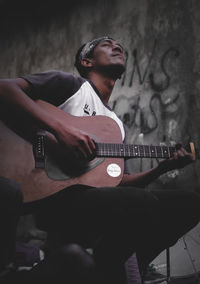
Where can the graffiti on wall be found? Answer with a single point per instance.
(152, 95)
(155, 88)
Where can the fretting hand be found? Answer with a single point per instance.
(180, 159)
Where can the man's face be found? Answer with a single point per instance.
(108, 55)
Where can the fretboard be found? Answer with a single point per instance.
(133, 151)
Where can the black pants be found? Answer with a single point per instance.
(116, 222)
(10, 210)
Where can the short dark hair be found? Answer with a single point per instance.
(86, 51)
(83, 71)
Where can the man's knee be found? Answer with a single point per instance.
(74, 254)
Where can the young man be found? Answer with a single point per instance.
(113, 221)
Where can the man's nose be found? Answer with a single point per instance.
(117, 48)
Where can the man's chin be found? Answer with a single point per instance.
(115, 71)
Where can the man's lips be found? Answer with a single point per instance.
(117, 54)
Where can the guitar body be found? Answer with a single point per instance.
(17, 160)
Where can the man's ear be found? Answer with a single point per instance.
(86, 62)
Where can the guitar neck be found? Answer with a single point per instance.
(135, 151)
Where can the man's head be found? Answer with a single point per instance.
(103, 55)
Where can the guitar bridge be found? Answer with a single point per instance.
(39, 149)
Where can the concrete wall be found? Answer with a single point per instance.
(157, 97)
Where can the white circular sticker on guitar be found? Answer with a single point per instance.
(113, 170)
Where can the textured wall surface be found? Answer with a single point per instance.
(157, 97)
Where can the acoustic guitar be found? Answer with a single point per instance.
(33, 157)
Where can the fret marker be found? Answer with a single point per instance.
(113, 170)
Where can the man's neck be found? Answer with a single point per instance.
(103, 84)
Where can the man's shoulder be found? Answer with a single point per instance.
(45, 84)
(54, 74)
(63, 75)
(65, 79)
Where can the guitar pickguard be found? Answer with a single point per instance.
(58, 171)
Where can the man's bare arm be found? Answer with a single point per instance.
(180, 159)
(13, 93)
